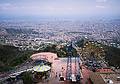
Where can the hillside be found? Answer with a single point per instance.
(10, 57)
(113, 56)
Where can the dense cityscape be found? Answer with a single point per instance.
(29, 34)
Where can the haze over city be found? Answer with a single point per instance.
(59, 8)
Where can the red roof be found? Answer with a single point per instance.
(104, 70)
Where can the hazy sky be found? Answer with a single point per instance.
(59, 8)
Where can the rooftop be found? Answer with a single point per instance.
(104, 70)
(44, 55)
(105, 78)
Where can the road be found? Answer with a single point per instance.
(27, 66)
